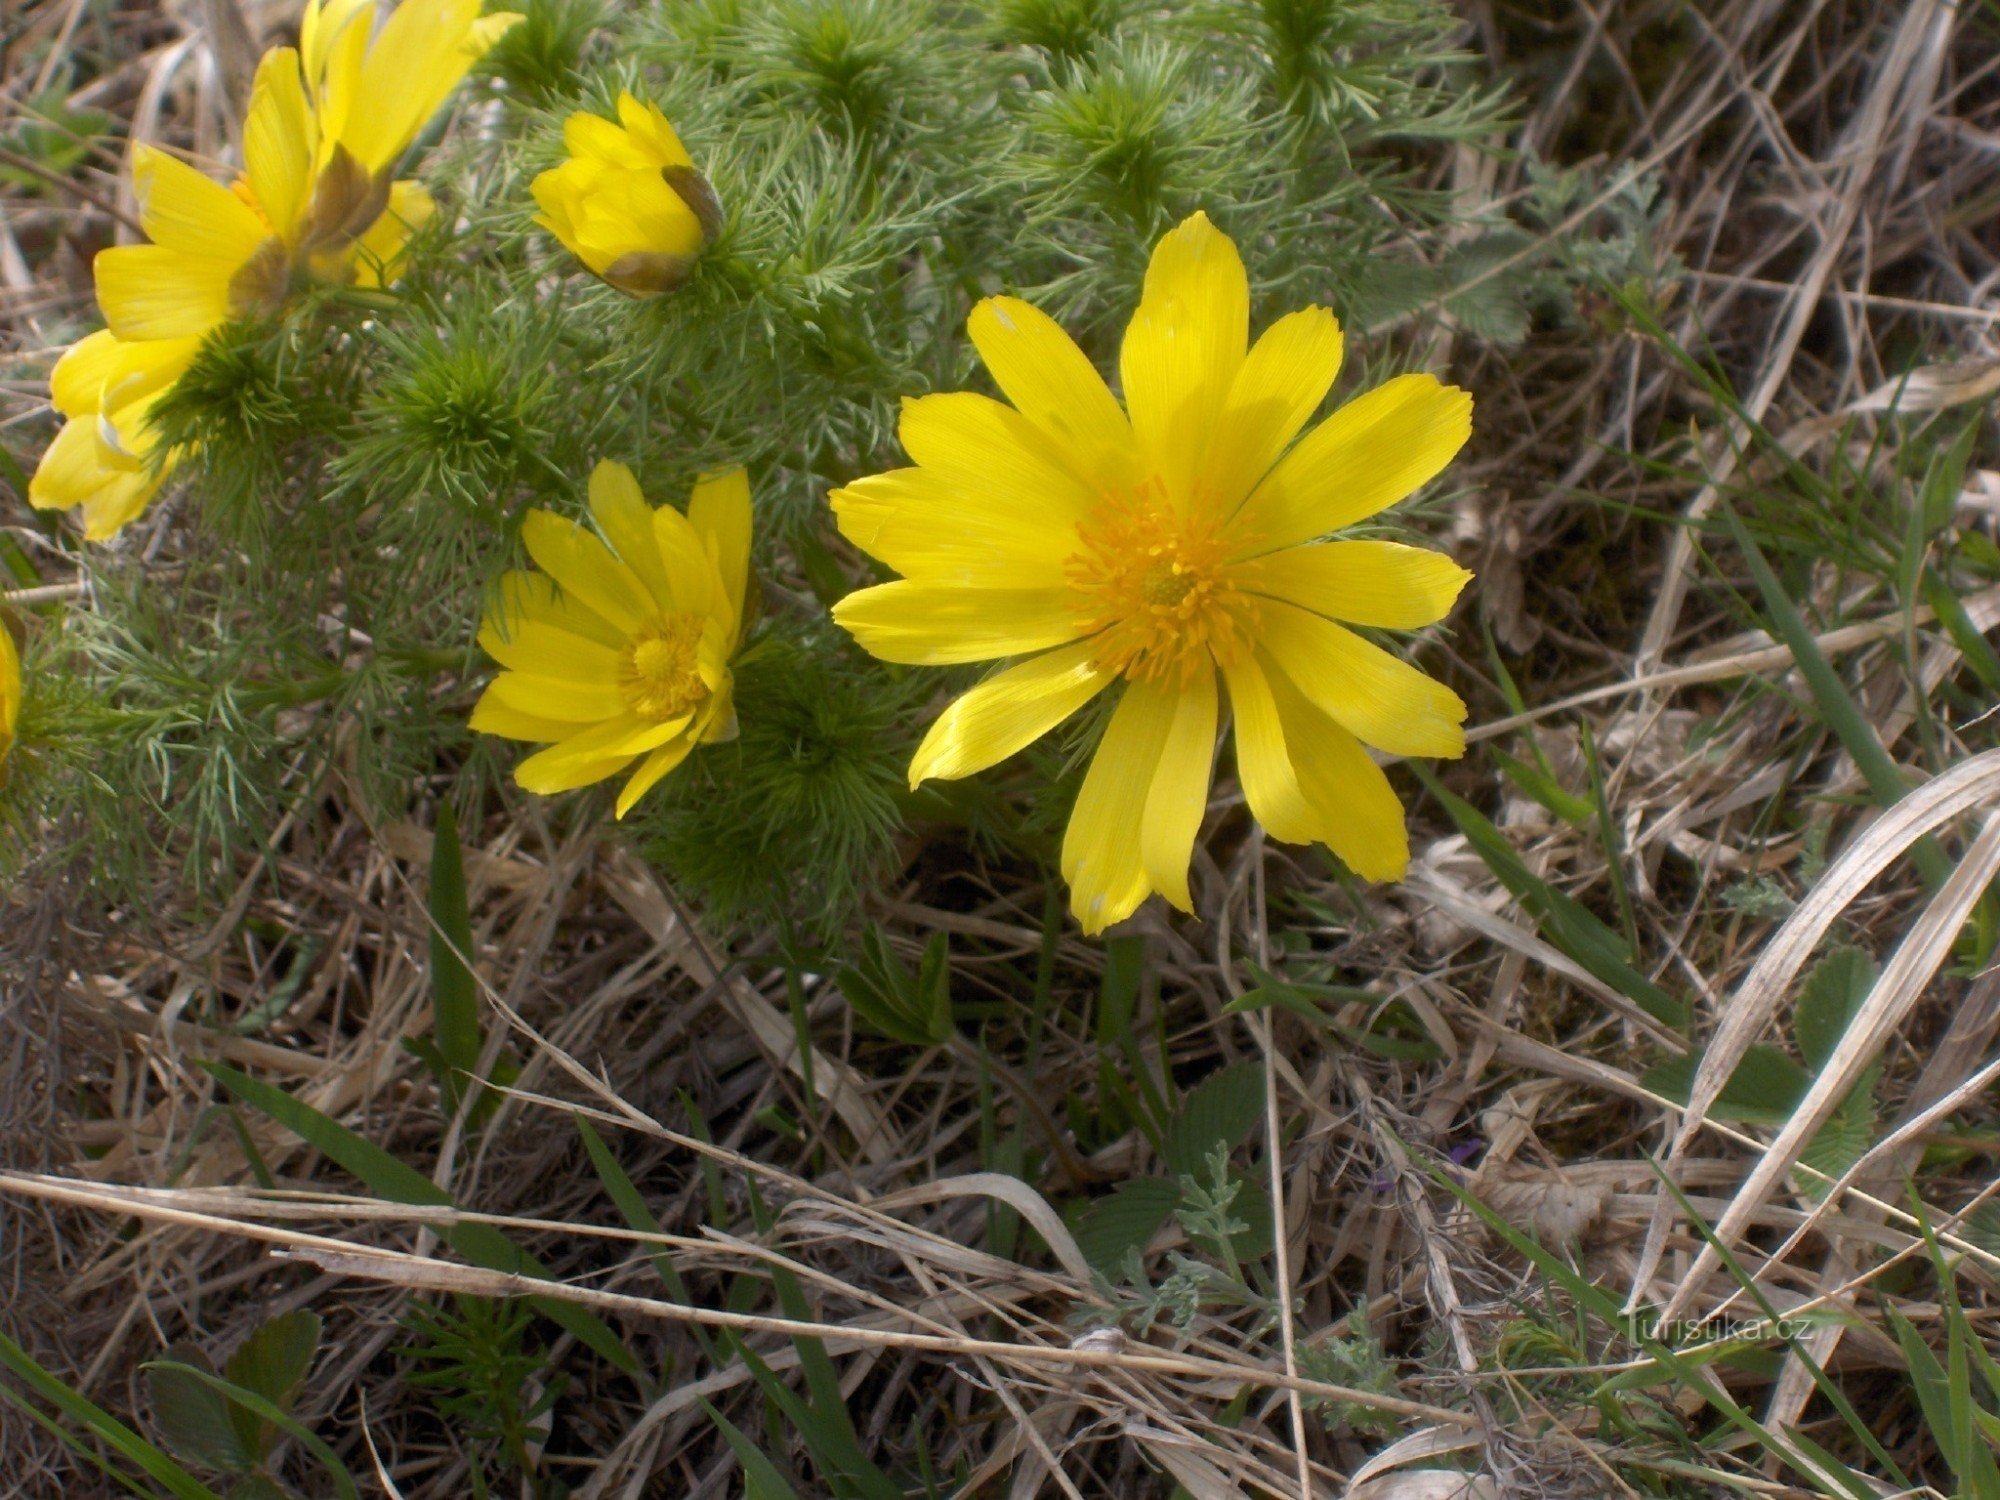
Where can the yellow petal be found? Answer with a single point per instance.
(929, 528)
(583, 757)
(997, 457)
(1050, 381)
(1178, 796)
(76, 385)
(120, 500)
(77, 470)
(1182, 349)
(587, 571)
(547, 777)
(1355, 810)
(622, 514)
(690, 571)
(649, 129)
(1281, 384)
(1101, 852)
(280, 141)
(1307, 780)
(934, 625)
(719, 510)
(1008, 712)
(1380, 698)
(151, 292)
(333, 50)
(326, 25)
(416, 60)
(554, 192)
(651, 769)
(594, 138)
(534, 596)
(557, 698)
(547, 651)
(1263, 764)
(1371, 453)
(491, 716)
(1383, 584)
(189, 213)
(10, 691)
(716, 720)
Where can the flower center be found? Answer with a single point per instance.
(1157, 590)
(662, 673)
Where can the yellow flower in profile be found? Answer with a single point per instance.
(629, 203)
(315, 201)
(103, 459)
(620, 647)
(10, 697)
(1173, 545)
(326, 124)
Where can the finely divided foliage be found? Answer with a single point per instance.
(763, 720)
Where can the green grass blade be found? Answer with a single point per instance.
(1565, 922)
(390, 1178)
(1886, 782)
(761, 1479)
(81, 1409)
(638, 1216)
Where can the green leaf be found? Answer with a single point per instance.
(198, 1422)
(389, 1178)
(914, 1009)
(269, 1412)
(1124, 1219)
(273, 1362)
(82, 1410)
(1846, 1136)
(258, 1487)
(1765, 1088)
(1832, 993)
(1222, 1110)
(1490, 307)
(454, 993)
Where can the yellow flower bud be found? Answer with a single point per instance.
(629, 202)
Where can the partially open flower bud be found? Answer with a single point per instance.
(629, 202)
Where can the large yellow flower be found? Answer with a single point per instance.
(620, 651)
(104, 459)
(629, 203)
(1167, 549)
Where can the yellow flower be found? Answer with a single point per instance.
(629, 203)
(314, 203)
(1168, 548)
(103, 459)
(10, 696)
(620, 651)
(374, 90)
